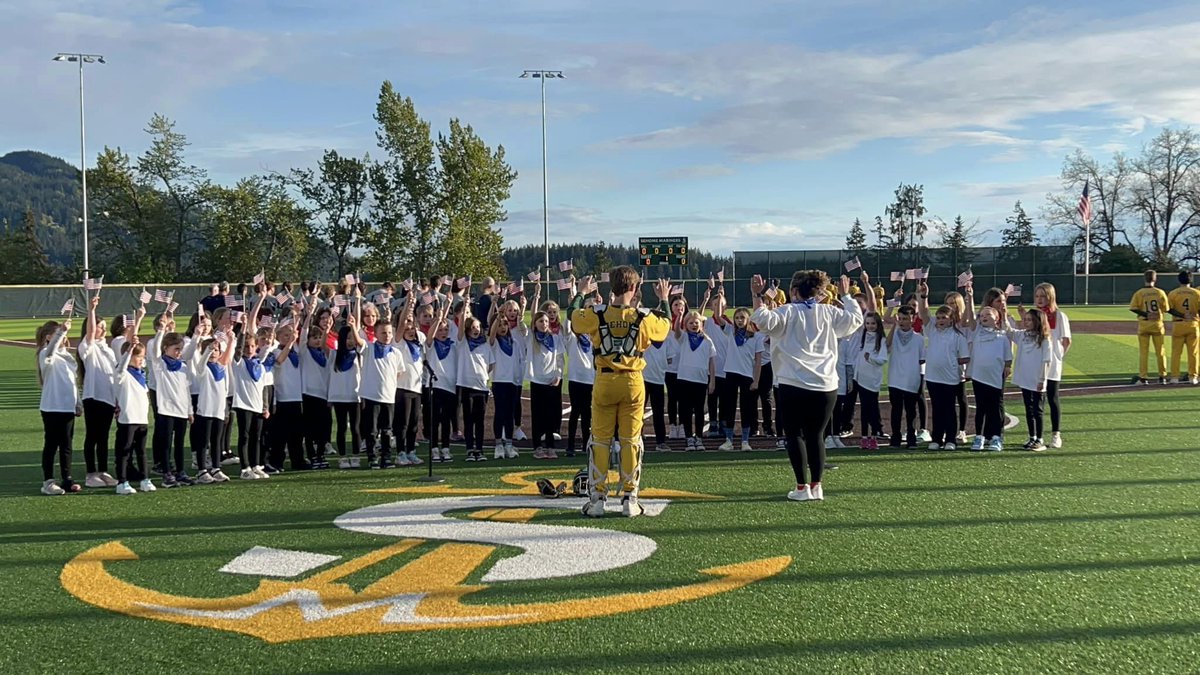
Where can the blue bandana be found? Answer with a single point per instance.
(382, 351)
(272, 359)
(695, 340)
(657, 344)
(173, 365)
(443, 348)
(546, 340)
(254, 367)
(318, 355)
(217, 370)
(585, 342)
(476, 343)
(294, 358)
(740, 336)
(414, 349)
(138, 374)
(348, 362)
(809, 303)
(505, 342)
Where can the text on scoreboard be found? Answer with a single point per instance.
(663, 250)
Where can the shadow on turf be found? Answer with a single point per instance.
(19, 390)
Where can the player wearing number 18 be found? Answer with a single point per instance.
(1150, 303)
(1185, 329)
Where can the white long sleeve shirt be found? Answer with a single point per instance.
(805, 339)
(59, 390)
(943, 349)
(99, 366)
(132, 396)
(1032, 362)
(868, 372)
(1061, 331)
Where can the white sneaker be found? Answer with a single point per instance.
(977, 444)
(949, 447)
(746, 446)
(260, 472)
(219, 476)
(924, 436)
(935, 446)
(995, 445)
(829, 442)
(446, 455)
(726, 446)
(837, 443)
(961, 438)
(125, 489)
(413, 460)
(510, 452)
(355, 463)
(51, 488)
(1056, 440)
(631, 508)
(204, 478)
(817, 492)
(1195, 380)
(781, 444)
(800, 494)
(1171, 380)
(109, 481)
(594, 508)
(519, 435)
(549, 453)
(401, 459)
(344, 463)
(501, 451)
(248, 474)
(147, 486)
(93, 480)
(557, 437)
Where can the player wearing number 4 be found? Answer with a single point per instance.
(1149, 303)
(1185, 329)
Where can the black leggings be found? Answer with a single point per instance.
(672, 386)
(960, 397)
(474, 402)
(445, 405)
(581, 412)
(805, 416)
(945, 417)
(978, 417)
(717, 407)
(872, 423)
(843, 419)
(691, 406)
(903, 402)
(507, 396)
(131, 445)
(287, 434)
(158, 448)
(60, 432)
(227, 432)
(173, 431)
(98, 421)
(989, 409)
(206, 442)
(921, 404)
(249, 434)
(377, 421)
(318, 423)
(545, 407)
(1033, 412)
(655, 395)
(740, 395)
(766, 385)
(1055, 410)
(347, 416)
(404, 420)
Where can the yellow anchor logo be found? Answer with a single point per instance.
(426, 593)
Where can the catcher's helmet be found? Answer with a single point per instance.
(580, 484)
(550, 490)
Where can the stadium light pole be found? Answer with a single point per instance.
(82, 59)
(543, 75)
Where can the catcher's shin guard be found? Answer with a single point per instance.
(632, 452)
(598, 463)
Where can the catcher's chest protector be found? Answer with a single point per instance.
(617, 347)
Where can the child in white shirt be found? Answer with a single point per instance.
(212, 398)
(697, 376)
(906, 354)
(59, 404)
(581, 376)
(946, 354)
(97, 363)
(868, 378)
(475, 362)
(991, 360)
(381, 364)
(743, 362)
(546, 354)
(443, 368)
(1034, 355)
(133, 416)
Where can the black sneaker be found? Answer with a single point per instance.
(267, 468)
(374, 463)
(183, 479)
(894, 443)
(228, 458)
(168, 480)
(70, 487)
(479, 456)
(386, 463)
(158, 470)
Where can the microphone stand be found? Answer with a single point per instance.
(427, 395)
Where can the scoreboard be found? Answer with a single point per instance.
(663, 250)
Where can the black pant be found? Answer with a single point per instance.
(716, 415)
(903, 402)
(404, 420)
(872, 424)
(989, 409)
(131, 445)
(835, 419)
(98, 421)
(348, 415)
(843, 419)
(960, 397)
(206, 442)
(159, 449)
(672, 386)
(249, 436)
(59, 430)
(1033, 412)
(655, 395)
(691, 407)
(945, 417)
(377, 420)
(227, 432)
(173, 430)
(445, 406)
(581, 411)
(1052, 399)
(805, 414)
(545, 406)
(287, 434)
(921, 403)
(268, 427)
(508, 396)
(766, 390)
(317, 424)
(474, 402)
(739, 392)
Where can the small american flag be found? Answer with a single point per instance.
(340, 301)
(172, 307)
(534, 276)
(125, 321)
(447, 280)
(721, 276)
(677, 290)
(351, 279)
(407, 284)
(893, 302)
(267, 322)
(285, 321)
(564, 284)
(910, 274)
(1085, 205)
(965, 278)
(144, 297)
(464, 282)
(283, 297)
(237, 317)
(335, 311)
(93, 284)
(427, 299)
(590, 286)
(922, 273)
(514, 289)
(1012, 291)
(68, 306)
(233, 301)
(852, 265)
(897, 276)
(161, 296)
(566, 266)
(604, 277)
(260, 277)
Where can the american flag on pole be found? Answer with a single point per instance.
(68, 306)
(464, 283)
(566, 266)
(1085, 205)
(267, 322)
(514, 288)
(852, 265)
(283, 297)
(161, 296)
(233, 301)
(174, 306)
(236, 316)
(260, 277)
(534, 276)
(604, 277)
(340, 301)
(93, 284)
(677, 290)
(144, 297)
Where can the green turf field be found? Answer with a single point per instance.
(1078, 560)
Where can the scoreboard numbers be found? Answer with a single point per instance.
(663, 250)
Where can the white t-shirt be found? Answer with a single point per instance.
(1061, 331)
(1032, 358)
(132, 396)
(942, 351)
(720, 341)
(152, 351)
(213, 393)
(868, 372)
(694, 362)
(343, 384)
(411, 371)
(99, 366)
(289, 376)
(248, 391)
(545, 365)
(59, 370)
(740, 359)
(506, 355)
(804, 339)
(656, 362)
(581, 366)
(443, 361)
(473, 364)
(904, 361)
(990, 351)
(314, 377)
(174, 393)
(381, 365)
(672, 347)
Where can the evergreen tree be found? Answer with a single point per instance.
(857, 239)
(1019, 232)
(22, 259)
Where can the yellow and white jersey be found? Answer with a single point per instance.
(1186, 300)
(1153, 302)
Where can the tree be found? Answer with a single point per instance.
(906, 215)
(1164, 196)
(1120, 258)
(182, 184)
(256, 226)
(476, 182)
(1108, 189)
(1019, 233)
(857, 239)
(22, 259)
(883, 238)
(338, 194)
(957, 236)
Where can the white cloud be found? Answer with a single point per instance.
(698, 171)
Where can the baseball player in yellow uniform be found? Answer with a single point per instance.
(1150, 304)
(1185, 328)
(620, 333)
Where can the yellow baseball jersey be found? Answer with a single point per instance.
(1152, 301)
(780, 296)
(619, 319)
(830, 296)
(1186, 300)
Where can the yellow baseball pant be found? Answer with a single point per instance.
(1184, 338)
(1144, 340)
(618, 403)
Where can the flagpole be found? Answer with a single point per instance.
(1087, 259)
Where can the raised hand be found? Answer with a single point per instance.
(95, 301)
(663, 289)
(844, 285)
(866, 281)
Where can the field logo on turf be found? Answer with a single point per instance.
(305, 595)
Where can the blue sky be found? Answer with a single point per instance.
(748, 125)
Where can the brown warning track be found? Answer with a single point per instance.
(1105, 327)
